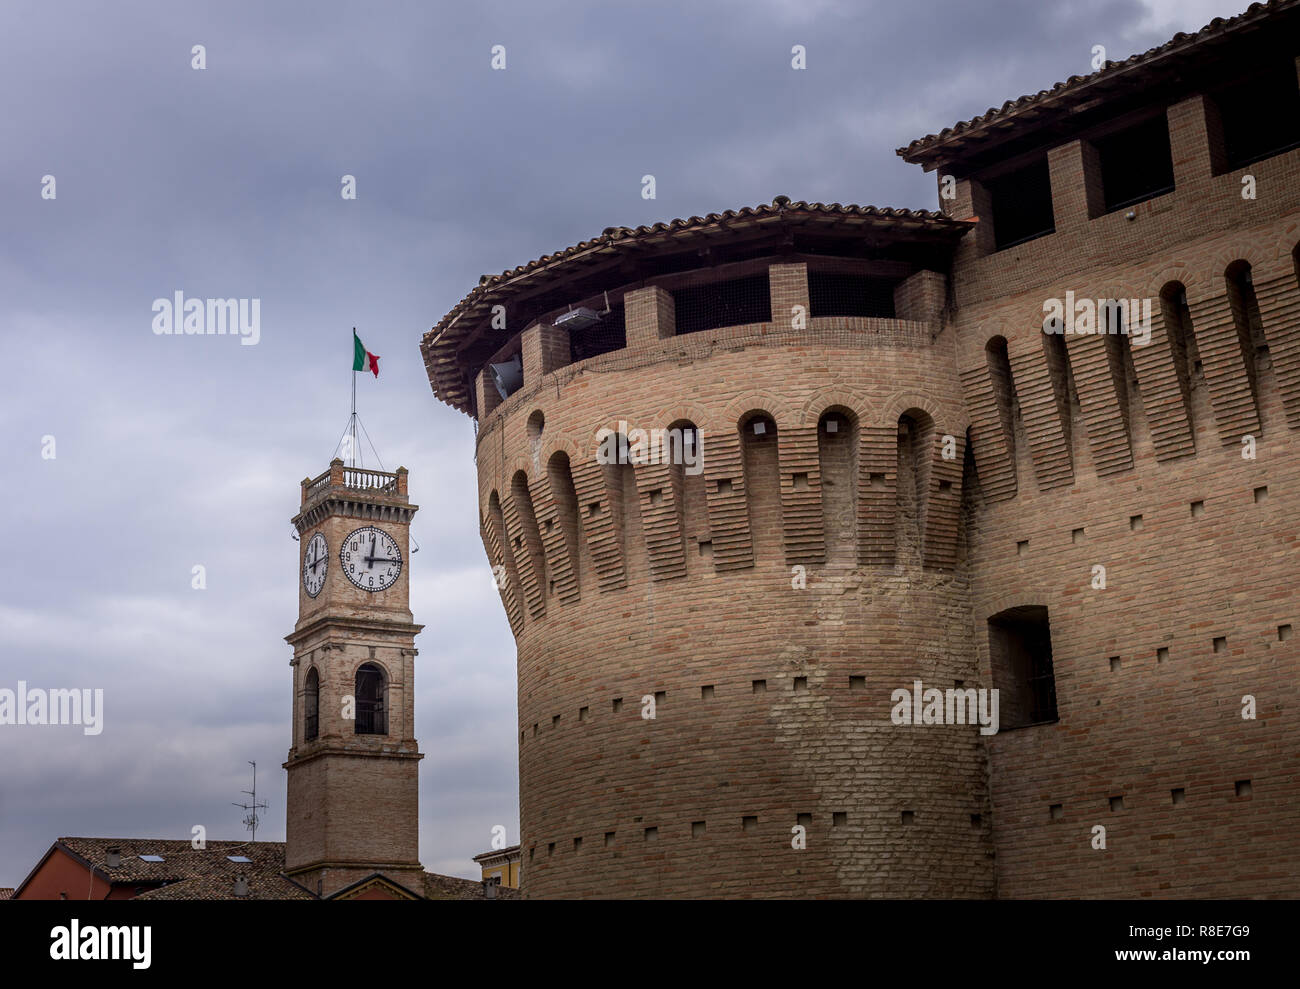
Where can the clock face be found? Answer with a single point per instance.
(315, 563)
(371, 559)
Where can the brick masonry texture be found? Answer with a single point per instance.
(773, 699)
(353, 800)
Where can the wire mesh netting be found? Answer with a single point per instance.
(737, 302)
(842, 294)
(608, 335)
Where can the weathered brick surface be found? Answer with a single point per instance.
(1153, 725)
(773, 698)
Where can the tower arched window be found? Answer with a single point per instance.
(311, 706)
(372, 701)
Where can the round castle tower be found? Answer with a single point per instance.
(1051, 451)
(711, 627)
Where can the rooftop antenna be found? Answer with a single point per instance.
(250, 819)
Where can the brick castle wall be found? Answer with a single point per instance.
(1085, 452)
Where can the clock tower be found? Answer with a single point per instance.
(353, 807)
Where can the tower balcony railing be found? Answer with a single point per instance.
(355, 479)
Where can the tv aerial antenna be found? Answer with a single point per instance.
(250, 818)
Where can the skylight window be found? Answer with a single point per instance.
(238, 858)
(151, 858)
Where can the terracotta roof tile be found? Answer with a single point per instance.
(223, 888)
(440, 344)
(187, 873)
(932, 146)
(180, 860)
(438, 887)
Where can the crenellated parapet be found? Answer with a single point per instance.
(810, 480)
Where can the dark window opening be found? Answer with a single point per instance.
(839, 294)
(608, 335)
(1260, 117)
(1020, 647)
(1136, 163)
(738, 302)
(371, 701)
(1022, 205)
(311, 705)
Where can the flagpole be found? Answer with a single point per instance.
(353, 420)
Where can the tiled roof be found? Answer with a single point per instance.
(222, 887)
(441, 343)
(6, 893)
(438, 887)
(998, 121)
(187, 873)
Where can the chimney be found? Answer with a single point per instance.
(489, 889)
(241, 887)
(114, 859)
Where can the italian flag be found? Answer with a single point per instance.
(363, 359)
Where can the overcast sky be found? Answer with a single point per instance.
(176, 451)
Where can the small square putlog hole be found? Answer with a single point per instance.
(1114, 664)
(749, 823)
(1243, 788)
(839, 819)
(1220, 643)
(909, 817)
(1116, 804)
(1162, 654)
(1076, 536)
(1178, 795)
(1261, 494)
(800, 684)
(1135, 522)
(1056, 811)
(760, 686)
(698, 828)
(857, 683)
(1283, 633)
(706, 693)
